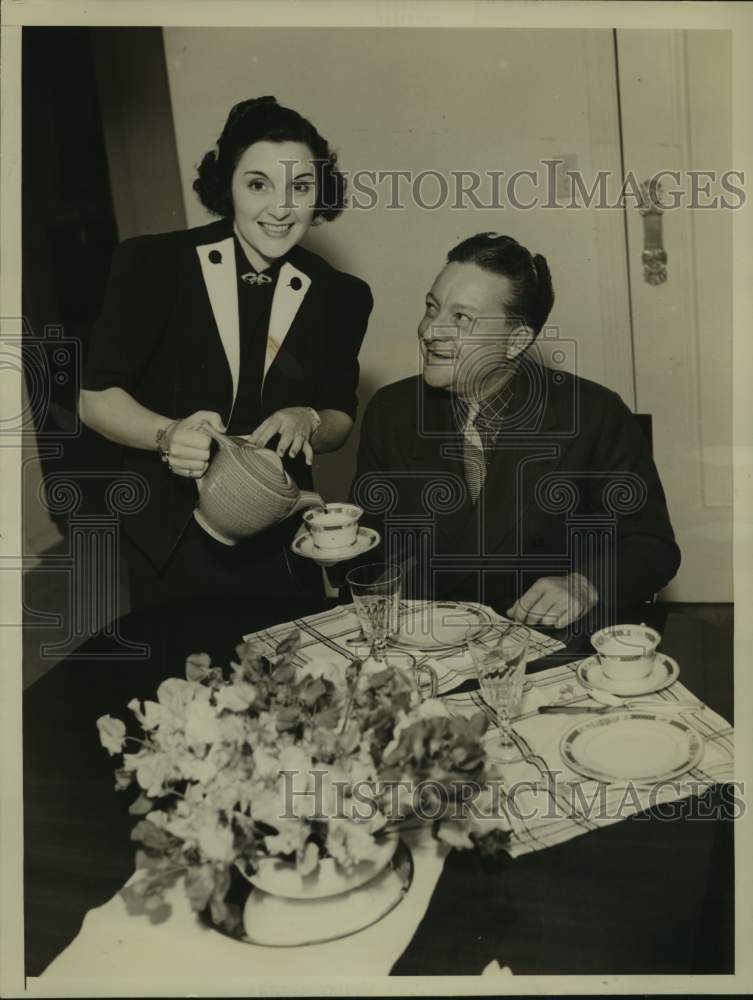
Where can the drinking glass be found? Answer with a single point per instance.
(500, 661)
(375, 589)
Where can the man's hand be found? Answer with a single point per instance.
(555, 601)
(295, 425)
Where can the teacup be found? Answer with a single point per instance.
(626, 652)
(334, 527)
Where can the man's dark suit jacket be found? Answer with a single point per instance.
(168, 334)
(570, 486)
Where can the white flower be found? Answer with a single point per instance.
(289, 838)
(307, 860)
(327, 670)
(197, 769)
(112, 734)
(174, 694)
(151, 772)
(432, 708)
(215, 839)
(236, 697)
(266, 766)
(456, 834)
(294, 758)
(350, 842)
(234, 729)
(202, 724)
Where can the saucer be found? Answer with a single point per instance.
(366, 539)
(665, 672)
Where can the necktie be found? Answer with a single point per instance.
(473, 454)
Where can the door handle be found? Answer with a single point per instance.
(654, 256)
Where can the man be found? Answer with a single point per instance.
(492, 478)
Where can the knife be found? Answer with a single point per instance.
(679, 706)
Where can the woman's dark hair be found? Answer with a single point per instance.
(262, 119)
(533, 294)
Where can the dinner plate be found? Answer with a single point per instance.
(277, 922)
(665, 672)
(366, 539)
(432, 626)
(631, 746)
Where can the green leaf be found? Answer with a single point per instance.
(478, 724)
(491, 844)
(378, 680)
(289, 645)
(152, 862)
(218, 911)
(288, 718)
(200, 883)
(141, 806)
(312, 691)
(151, 836)
(327, 719)
(123, 779)
(133, 896)
(283, 674)
(227, 916)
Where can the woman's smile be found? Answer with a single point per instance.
(276, 229)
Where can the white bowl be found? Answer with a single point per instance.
(281, 878)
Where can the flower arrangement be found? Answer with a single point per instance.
(274, 761)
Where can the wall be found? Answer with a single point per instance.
(447, 100)
(137, 121)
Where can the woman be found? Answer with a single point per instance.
(235, 325)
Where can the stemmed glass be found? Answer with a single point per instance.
(500, 661)
(375, 589)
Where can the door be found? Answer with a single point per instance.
(675, 98)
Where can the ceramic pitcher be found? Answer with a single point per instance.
(246, 490)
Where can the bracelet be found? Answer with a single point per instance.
(160, 439)
(317, 419)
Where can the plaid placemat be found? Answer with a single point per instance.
(332, 637)
(547, 802)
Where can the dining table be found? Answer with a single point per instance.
(651, 894)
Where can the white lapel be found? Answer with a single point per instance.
(222, 288)
(285, 305)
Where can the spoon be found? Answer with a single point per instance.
(606, 698)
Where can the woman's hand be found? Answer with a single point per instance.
(295, 425)
(187, 445)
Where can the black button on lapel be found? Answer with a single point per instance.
(215, 256)
(295, 284)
